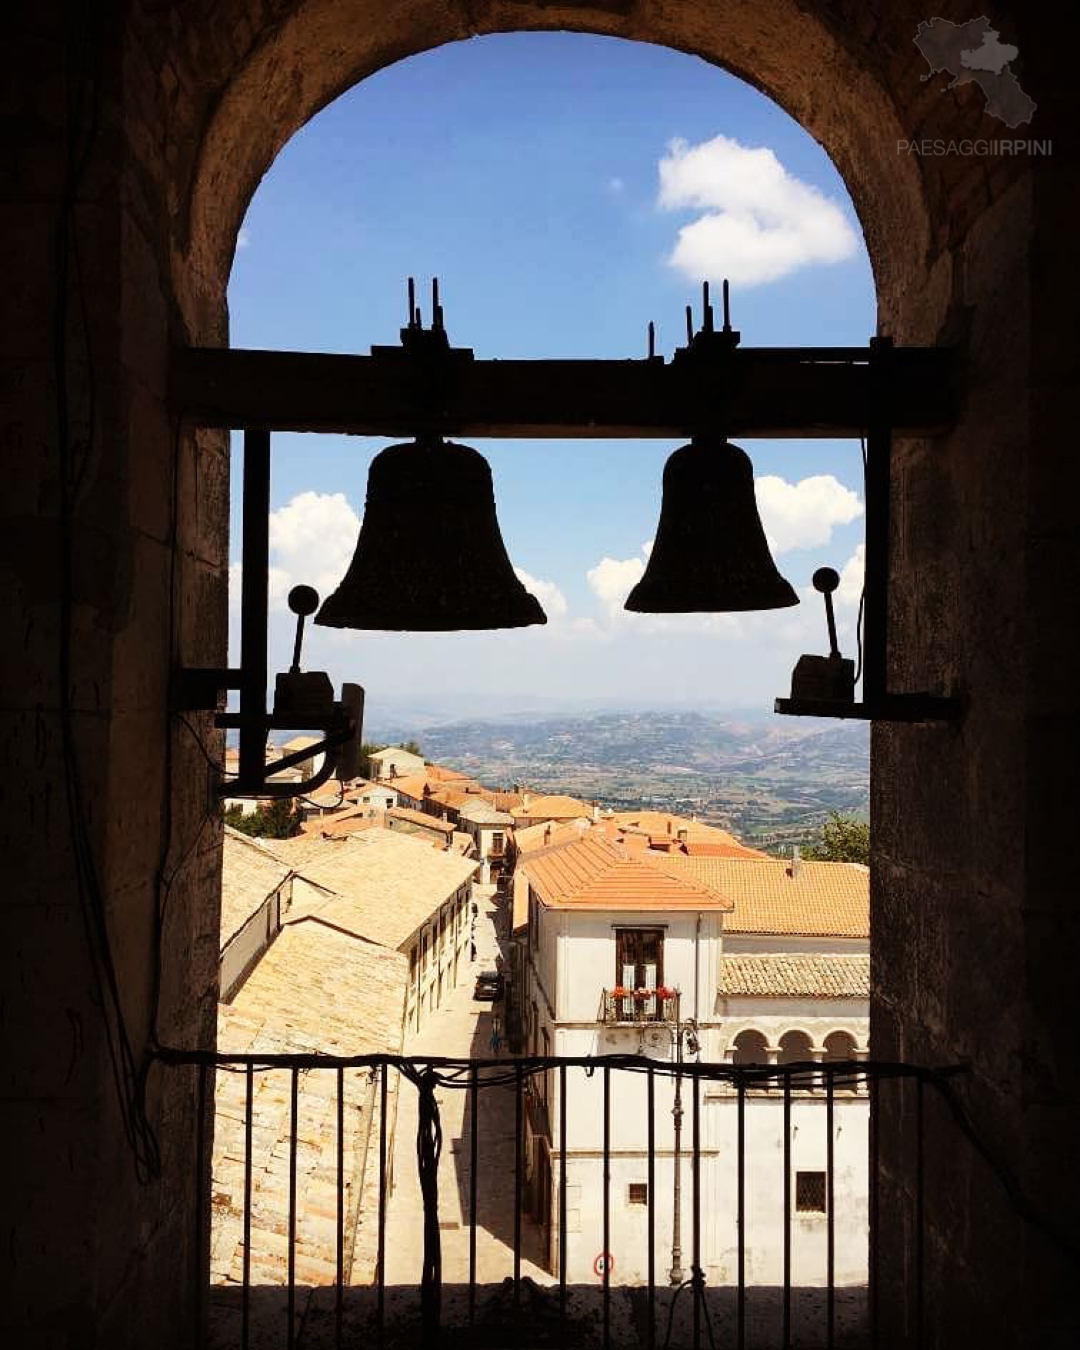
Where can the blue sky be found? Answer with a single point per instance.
(566, 190)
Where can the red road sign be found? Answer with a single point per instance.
(604, 1261)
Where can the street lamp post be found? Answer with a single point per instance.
(683, 1030)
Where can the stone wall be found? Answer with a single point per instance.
(973, 910)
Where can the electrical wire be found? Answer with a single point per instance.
(82, 114)
(863, 590)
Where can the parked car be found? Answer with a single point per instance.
(489, 986)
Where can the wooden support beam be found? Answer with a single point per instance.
(751, 392)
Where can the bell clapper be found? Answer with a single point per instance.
(826, 580)
(303, 600)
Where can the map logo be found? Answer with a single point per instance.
(972, 54)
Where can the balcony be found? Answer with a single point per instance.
(626, 1007)
(794, 1258)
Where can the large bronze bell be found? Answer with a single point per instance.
(430, 557)
(710, 553)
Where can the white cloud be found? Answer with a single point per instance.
(551, 598)
(612, 580)
(616, 186)
(804, 514)
(759, 222)
(851, 579)
(243, 237)
(312, 541)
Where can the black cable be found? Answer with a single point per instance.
(218, 768)
(73, 457)
(862, 591)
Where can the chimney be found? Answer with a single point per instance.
(596, 810)
(683, 835)
(796, 863)
(681, 832)
(525, 800)
(547, 833)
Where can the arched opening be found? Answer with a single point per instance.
(840, 1045)
(197, 102)
(795, 1047)
(749, 1047)
(851, 106)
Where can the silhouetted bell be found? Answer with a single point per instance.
(430, 557)
(710, 552)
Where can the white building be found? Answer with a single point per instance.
(719, 941)
(490, 829)
(394, 889)
(394, 762)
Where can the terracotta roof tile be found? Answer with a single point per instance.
(420, 818)
(338, 823)
(384, 883)
(531, 837)
(315, 990)
(409, 784)
(795, 975)
(551, 807)
(481, 811)
(248, 875)
(595, 873)
(824, 899)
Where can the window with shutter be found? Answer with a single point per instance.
(639, 964)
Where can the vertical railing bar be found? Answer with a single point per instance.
(740, 1148)
(474, 1134)
(650, 1336)
(605, 1246)
(830, 1217)
(200, 1204)
(563, 1260)
(696, 1287)
(518, 1151)
(291, 1337)
(255, 552)
(873, 1089)
(245, 1297)
(339, 1292)
(787, 1211)
(919, 1215)
(380, 1296)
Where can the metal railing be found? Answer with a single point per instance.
(558, 1315)
(638, 1005)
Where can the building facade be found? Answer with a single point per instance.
(623, 952)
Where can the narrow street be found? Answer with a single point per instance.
(461, 1027)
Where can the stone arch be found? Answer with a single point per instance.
(795, 1044)
(749, 1046)
(839, 1044)
(795, 1047)
(317, 49)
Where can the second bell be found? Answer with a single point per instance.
(710, 554)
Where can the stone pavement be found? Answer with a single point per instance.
(462, 1026)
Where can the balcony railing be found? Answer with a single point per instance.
(639, 1005)
(721, 1304)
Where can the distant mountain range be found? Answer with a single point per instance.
(771, 780)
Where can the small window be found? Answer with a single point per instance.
(637, 1193)
(810, 1192)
